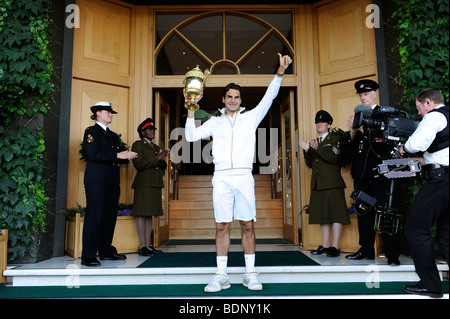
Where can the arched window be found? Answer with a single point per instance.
(226, 42)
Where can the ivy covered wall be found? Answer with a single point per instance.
(25, 88)
(423, 48)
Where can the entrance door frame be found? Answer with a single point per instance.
(290, 230)
(161, 223)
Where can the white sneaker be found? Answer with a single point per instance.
(217, 283)
(251, 281)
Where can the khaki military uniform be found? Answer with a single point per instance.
(327, 203)
(148, 181)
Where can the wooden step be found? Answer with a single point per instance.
(194, 184)
(195, 205)
(191, 216)
(205, 224)
(209, 177)
(235, 233)
(208, 197)
(209, 214)
(209, 190)
(206, 184)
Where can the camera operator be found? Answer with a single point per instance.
(367, 155)
(431, 203)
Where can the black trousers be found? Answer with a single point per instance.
(430, 206)
(379, 189)
(100, 220)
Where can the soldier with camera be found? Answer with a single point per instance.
(368, 154)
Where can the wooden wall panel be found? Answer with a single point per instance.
(102, 43)
(346, 47)
(84, 95)
(103, 65)
(344, 53)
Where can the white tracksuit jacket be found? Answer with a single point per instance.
(234, 138)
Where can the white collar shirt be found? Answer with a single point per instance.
(103, 126)
(424, 135)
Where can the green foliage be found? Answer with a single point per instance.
(71, 212)
(25, 72)
(423, 47)
(122, 210)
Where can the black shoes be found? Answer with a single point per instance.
(93, 262)
(144, 251)
(319, 251)
(148, 251)
(393, 261)
(418, 290)
(331, 251)
(113, 257)
(154, 251)
(90, 262)
(360, 255)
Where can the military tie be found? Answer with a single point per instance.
(320, 139)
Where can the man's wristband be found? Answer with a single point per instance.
(280, 74)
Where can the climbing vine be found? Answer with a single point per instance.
(25, 87)
(423, 47)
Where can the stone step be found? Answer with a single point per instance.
(69, 272)
(78, 276)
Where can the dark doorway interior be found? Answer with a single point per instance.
(209, 105)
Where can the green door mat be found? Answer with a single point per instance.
(235, 259)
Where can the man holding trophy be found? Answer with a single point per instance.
(233, 134)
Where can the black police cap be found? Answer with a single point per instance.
(366, 85)
(323, 116)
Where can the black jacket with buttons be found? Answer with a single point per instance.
(367, 148)
(101, 148)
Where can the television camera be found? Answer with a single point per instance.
(395, 124)
(395, 127)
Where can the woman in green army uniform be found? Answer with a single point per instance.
(147, 184)
(327, 205)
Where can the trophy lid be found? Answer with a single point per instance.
(196, 72)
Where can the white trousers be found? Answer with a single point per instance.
(234, 197)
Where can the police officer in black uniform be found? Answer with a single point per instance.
(367, 155)
(431, 203)
(101, 182)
